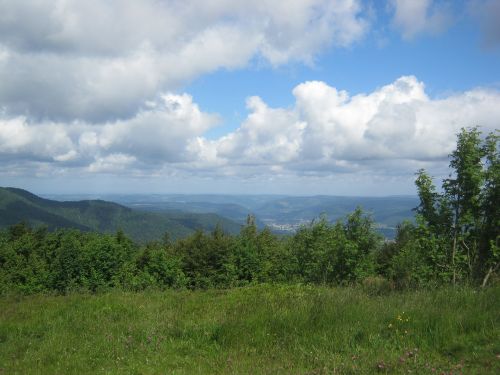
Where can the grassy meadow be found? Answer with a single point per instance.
(265, 329)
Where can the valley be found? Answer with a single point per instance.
(281, 213)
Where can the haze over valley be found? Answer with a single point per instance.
(281, 213)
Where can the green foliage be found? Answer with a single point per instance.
(261, 256)
(457, 231)
(488, 255)
(428, 208)
(38, 260)
(155, 266)
(206, 258)
(336, 253)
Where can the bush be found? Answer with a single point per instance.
(376, 285)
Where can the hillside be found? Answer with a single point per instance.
(281, 213)
(290, 212)
(97, 215)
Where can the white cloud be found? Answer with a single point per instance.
(391, 131)
(101, 60)
(327, 131)
(159, 133)
(113, 163)
(21, 139)
(413, 17)
(267, 136)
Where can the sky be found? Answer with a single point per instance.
(300, 97)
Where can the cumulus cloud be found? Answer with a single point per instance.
(156, 135)
(328, 131)
(267, 136)
(99, 61)
(391, 131)
(160, 132)
(22, 139)
(413, 17)
(112, 163)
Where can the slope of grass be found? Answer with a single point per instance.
(254, 330)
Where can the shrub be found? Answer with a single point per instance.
(377, 285)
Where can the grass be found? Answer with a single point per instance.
(255, 330)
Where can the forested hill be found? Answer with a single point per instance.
(18, 205)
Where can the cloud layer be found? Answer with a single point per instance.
(95, 87)
(94, 60)
(395, 129)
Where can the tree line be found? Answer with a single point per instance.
(454, 239)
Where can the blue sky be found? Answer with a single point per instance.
(452, 61)
(341, 97)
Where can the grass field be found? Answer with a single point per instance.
(254, 330)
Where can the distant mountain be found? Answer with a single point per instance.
(97, 215)
(234, 207)
(290, 212)
(386, 210)
(232, 211)
(283, 214)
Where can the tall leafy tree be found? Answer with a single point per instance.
(489, 252)
(464, 219)
(428, 197)
(463, 190)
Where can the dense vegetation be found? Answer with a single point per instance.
(457, 236)
(18, 205)
(263, 329)
(35, 260)
(455, 240)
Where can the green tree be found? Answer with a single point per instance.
(489, 253)
(157, 266)
(207, 259)
(463, 191)
(336, 253)
(359, 231)
(463, 221)
(248, 254)
(428, 198)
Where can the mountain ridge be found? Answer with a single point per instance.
(18, 205)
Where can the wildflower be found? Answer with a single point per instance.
(381, 365)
